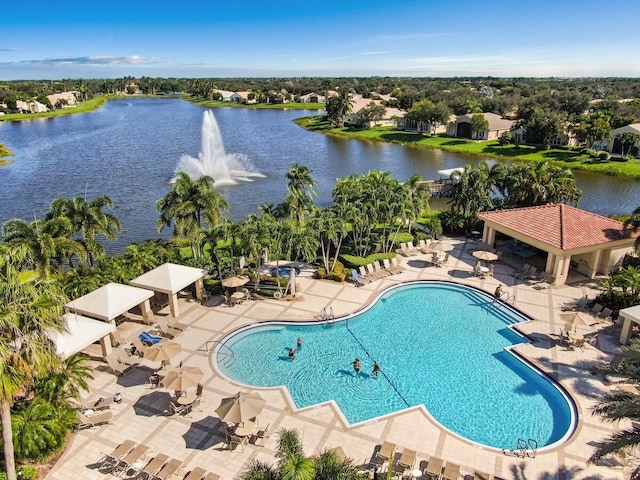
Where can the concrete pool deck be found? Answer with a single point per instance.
(198, 441)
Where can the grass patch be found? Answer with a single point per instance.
(566, 157)
(273, 106)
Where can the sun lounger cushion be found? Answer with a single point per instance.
(149, 339)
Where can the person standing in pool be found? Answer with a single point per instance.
(376, 368)
(357, 366)
(299, 343)
(292, 353)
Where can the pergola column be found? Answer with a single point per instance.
(550, 263)
(199, 288)
(173, 305)
(147, 313)
(594, 262)
(627, 325)
(561, 268)
(105, 345)
(488, 235)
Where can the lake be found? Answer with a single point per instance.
(129, 150)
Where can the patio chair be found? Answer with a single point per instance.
(197, 473)
(357, 279)
(178, 409)
(109, 460)
(166, 331)
(227, 299)
(247, 294)
(451, 471)
(492, 268)
(99, 418)
(386, 453)
(154, 465)
(403, 250)
(524, 271)
(169, 470)
(259, 436)
(606, 314)
(372, 272)
(235, 441)
(481, 476)
(596, 309)
(138, 347)
(128, 461)
(211, 476)
(386, 264)
(99, 404)
(434, 468)
(381, 272)
(412, 250)
(476, 270)
(364, 274)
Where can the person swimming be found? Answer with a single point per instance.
(376, 368)
(292, 353)
(357, 366)
(299, 343)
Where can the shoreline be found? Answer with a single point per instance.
(563, 157)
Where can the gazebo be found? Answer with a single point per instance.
(170, 278)
(629, 316)
(81, 332)
(589, 243)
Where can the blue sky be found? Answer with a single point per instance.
(426, 38)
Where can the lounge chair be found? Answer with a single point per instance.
(596, 309)
(196, 474)
(481, 476)
(154, 465)
(117, 367)
(178, 409)
(403, 250)
(98, 418)
(407, 460)
(606, 314)
(412, 250)
(130, 459)
(381, 272)
(234, 441)
(149, 339)
(169, 470)
(109, 460)
(395, 264)
(388, 267)
(451, 471)
(125, 358)
(357, 279)
(372, 273)
(139, 347)
(165, 330)
(386, 453)
(524, 271)
(363, 273)
(434, 468)
(212, 476)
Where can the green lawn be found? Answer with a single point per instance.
(566, 157)
(279, 106)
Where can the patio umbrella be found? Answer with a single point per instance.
(162, 351)
(439, 247)
(241, 407)
(485, 255)
(235, 281)
(182, 378)
(578, 319)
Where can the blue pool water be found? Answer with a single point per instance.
(440, 345)
(284, 271)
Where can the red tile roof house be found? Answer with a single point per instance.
(461, 127)
(573, 239)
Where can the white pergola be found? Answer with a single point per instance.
(81, 332)
(170, 278)
(112, 300)
(628, 316)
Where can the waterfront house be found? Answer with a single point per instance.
(461, 127)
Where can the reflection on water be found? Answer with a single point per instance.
(129, 150)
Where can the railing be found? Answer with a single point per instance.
(505, 297)
(524, 448)
(225, 354)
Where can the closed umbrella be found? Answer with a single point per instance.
(485, 255)
(578, 319)
(182, 378)
(235, 281)
(162, 351)
(241, 407)
(439, 247)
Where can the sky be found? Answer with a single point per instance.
(287, 38)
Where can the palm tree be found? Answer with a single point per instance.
(301, 192)
(188, 204)
(89, 220)
(621, 407)
(331, 230)
(418, 194)
(633, 222)
(44, 240)
(471, 193)
(66, 380)
(30, 306)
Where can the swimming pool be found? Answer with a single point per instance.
(441, 345)
(284, 271)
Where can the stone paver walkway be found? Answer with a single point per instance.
(197, 440)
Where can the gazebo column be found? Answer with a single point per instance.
(199, 288)
(594, 263)
(105, 345)
(550, 263)
(561, 268)
(627, 325)
(488, 235)
(147, 313)
(173, 305)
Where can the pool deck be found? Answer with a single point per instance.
(197, 440)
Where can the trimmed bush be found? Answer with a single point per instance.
(337, 275)
(604, 156)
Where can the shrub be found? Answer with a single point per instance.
(504, 138)
(337, 275)
(604, 156)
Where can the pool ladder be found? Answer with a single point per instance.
(524, 448)
(505, 297)
(225, 355)
(325, 316)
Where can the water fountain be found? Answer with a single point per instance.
(224, 168)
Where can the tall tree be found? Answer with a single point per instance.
(627, 141)
(30, 307)
(633, 222)
(89, 220)
(302, 190)
(187, 205)
(479, 125)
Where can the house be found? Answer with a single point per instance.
(312, 98)
(421, 127)
(615, 146)
(461, 127)
(62, 100)
(240, 97)
(32, 106)
(519, 135)
(226, 95)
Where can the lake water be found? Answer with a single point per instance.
(129, 150)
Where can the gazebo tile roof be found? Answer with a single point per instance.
(560, 226)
